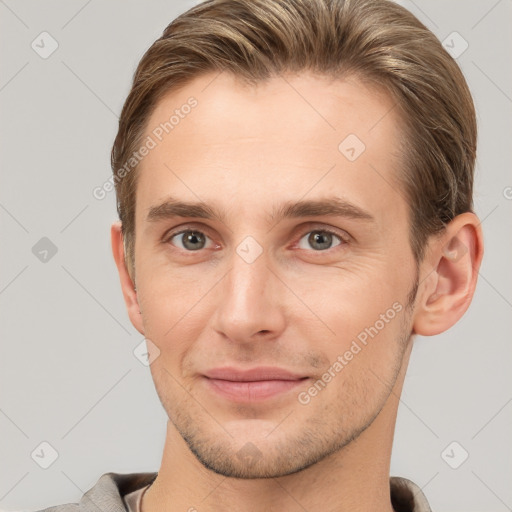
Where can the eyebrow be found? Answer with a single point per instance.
(332, 206)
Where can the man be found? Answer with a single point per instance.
(294, 182)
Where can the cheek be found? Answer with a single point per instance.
(370, 340)
(173, 311)
(353, 301)
(166, 294)
(366, 313)
(362, 367)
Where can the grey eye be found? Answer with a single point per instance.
(190, 240)
(320, 240)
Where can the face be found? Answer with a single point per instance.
(273, 267)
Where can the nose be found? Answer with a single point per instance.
(250, 306)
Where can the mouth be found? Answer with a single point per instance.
(252, 385)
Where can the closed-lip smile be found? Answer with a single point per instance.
(254, 384)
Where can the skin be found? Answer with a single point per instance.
(298, 306)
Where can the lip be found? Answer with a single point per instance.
(252, 374)
(252, 385)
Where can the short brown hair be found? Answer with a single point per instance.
(376, 40)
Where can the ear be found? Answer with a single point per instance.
(127, 285)
(450, 271)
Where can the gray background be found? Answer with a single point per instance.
(68, 375)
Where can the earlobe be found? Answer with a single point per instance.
(450, 276)
(127, 285)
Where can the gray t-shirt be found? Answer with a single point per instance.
(122, 492)
(133, 499)
(406, 497)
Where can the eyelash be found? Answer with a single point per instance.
(344, 239)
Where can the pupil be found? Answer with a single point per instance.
(193, 238)
(318, 236)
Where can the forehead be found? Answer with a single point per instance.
(217, 138)
(322, 105)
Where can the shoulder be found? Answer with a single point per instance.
(70, 507)
(107, 493)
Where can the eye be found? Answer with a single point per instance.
(189, 240)
(321, 239)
